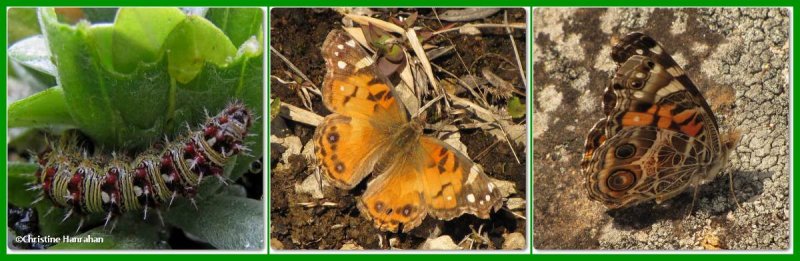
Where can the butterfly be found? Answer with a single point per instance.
(659, 136)
(370, 131)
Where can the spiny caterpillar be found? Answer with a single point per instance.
(87, 185)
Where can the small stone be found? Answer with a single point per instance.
(515, 203)
(351, 246)
(439, 243)
(514, 240)
(711, 242)
(276, 244)
(505, 187)
(311, 185)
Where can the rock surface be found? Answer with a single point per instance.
(738, 58)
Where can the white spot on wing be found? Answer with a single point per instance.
(351, 43)
(491, 187)
(341, 64)
(473, 174)
(657, 49)
(488, 198)
(471, 198)
(449, 198)
(672, 87)
(364, 62)
(675, 71)
(341, 47)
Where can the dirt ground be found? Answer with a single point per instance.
(300, 221)
(738, 58)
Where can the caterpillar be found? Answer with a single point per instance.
(97, 184)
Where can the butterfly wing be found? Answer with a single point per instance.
(352, 86)
(350, 141)
(659, 134)
(436, 179)
(395, 197)
(453, 185)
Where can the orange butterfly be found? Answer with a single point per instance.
(370, 131)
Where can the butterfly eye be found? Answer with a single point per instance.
(625, 151)
(621, 180)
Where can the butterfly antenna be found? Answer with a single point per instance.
(426, 106)
(145, 212)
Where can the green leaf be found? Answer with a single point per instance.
(239, 24)
(128, 233)
(515, 108)
(140, 33)
(20, 176)
(226, 222)
(133, 110)
(194, 42)
(274, 108)
(33, 53)
(125, 96)
(21, 23)
(42, 109)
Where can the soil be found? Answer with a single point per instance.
(298, 35)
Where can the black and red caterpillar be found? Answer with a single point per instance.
(87, 185)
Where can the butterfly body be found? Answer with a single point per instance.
(658, 138)
(370, 131)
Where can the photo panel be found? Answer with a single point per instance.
(399, 129)
(662, 129)
(135, 129)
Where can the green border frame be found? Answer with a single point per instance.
(510, 3)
